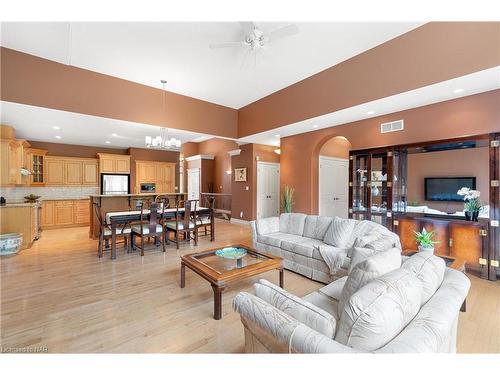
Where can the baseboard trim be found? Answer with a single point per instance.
(239, 221)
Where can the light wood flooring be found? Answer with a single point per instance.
(59, 295)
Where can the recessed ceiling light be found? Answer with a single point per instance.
(277, 135)
(370, 112)
(58, 137)
(458, 91)
(114, 135)
(56, 127)
(315, 126)
(107, 142)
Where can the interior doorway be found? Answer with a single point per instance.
(268, 189)
(193, 183)
(333, 186)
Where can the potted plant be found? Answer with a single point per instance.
(472, 203)
(424, 240)
(287, 199)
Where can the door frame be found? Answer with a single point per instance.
(257, 184)
(199, 181)
(331, 158)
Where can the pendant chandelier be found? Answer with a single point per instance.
(163, 141)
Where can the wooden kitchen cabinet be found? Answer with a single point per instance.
(90, 173)
(47, 217)
(65, 213)
(54, 169)
(112, 163)
(12, 159)
(35, 159)
(68, 171)
(73, 174)
(162, 174)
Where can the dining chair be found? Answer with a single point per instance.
(149, 226)
(185, 222)
(204, 220)
(105, 231)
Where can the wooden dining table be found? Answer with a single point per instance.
(124, 217)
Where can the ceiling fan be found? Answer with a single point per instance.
(256, 39)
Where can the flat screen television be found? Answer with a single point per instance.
(445, 189)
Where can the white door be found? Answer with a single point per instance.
(193, 183)
(268, 189)
(333, 186)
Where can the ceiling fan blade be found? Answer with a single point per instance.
(226, 45)
(281, 32)
(248, 27)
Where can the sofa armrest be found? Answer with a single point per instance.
(282, 328)
(299, 309)
(307, 340)
(253, 225)
(267, 225)
(274, 321)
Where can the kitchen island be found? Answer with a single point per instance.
(121, 202)
(23, 218)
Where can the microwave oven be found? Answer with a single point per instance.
(148, 187)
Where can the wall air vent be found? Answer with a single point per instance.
(393, 126)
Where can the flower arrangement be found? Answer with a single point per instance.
(287, 199)
(472, 203)
(424, 240)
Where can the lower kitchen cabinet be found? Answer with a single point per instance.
(65, 213)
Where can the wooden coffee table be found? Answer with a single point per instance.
(221, 272)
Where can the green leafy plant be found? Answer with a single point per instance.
(287, 199)
(424, 238)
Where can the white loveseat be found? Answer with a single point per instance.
(319, 247)
(412, 308)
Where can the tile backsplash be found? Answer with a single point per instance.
(17, 194)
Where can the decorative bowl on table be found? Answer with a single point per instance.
(231, 253)
(10, 243)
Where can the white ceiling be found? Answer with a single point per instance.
(179, 53)
(36, 124)
(474, 83)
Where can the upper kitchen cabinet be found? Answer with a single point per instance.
(12, 158)
(71, 171)
(112, 163)
(35, 159)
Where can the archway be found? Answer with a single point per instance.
(330, 175)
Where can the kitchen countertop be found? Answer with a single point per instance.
(18, 204)
(65, 199)
(133, 195)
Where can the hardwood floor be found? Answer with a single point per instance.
(59, 295)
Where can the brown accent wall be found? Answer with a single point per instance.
(60, 149)
(246, 200)
(471, 162)
(432, 53)
(471, 115)
(219, 147)
(152, 155)
(337, 147)
(32, 80)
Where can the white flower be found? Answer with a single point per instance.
(463, 191)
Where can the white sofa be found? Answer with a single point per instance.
(319, 247)
(413, 308)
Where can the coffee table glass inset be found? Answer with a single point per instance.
(220, 271)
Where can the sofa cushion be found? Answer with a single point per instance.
(339, 232)
(429, 269)
(384, 242)
(334, 257)
(365, 239)
(305, 312)
(360, 254)
(334, 289)
(361, 229)
(274, 239)
(292, 223)
(302, 245)
(379, 311)
(316, 226)
(268, 225)
(368, 270)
